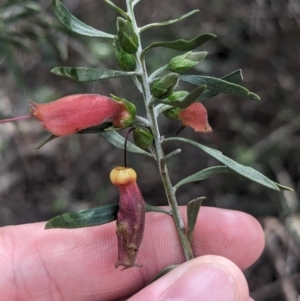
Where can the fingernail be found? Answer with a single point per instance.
(209, 282)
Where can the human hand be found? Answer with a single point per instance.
(78, 265)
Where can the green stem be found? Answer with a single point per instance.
(151, 116)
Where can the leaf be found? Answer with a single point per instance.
(82, 74)
(234, 77)
(45, 141)
(163, 272)
(97, 129)
(282, 187)
(193, 208)
(118, 141)
(244, 171)
(216, 85)
(84, 218)
(92, 217)
(75, 25)
(182, 45)
(253, 96)
(169, 22)
(204, 174)
(150, 208)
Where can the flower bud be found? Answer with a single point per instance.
(177, 95)
(71, 114)
(186, 61)
(128, 39)
(195, 116)
(131, 216)
(173, 112)
(164, 86)
(125, 60)
(127, 116)
(142, 137)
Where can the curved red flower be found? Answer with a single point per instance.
(195, 116)
(131, 216)
(73, 113)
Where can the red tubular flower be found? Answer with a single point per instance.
(131, 216)
(71, 114)
(195, 116)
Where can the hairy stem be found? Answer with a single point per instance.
(151, 116)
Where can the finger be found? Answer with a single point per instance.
(207, 278)
(79, 264)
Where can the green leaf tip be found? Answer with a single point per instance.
(75, 25)
(204, 174)
(84, 218)
(181, 44)
(82, 74)
(163, 272)
(253, 96)
(169, 22)
(45, 141)
(193, 208)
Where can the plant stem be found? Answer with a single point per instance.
(170, 192)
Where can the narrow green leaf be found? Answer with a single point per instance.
(169, 22)
(92, 217)
(84, 218)
(282, 187)
(244, 171)
(204, 174)
(163, 272)
(216, 85)
(97, 129)
(118, 141)
(150, 208)
(193, 208)
(253, 96)
(70, 21)
(45, 141)
(186, 101)
(82, 74)
(182, 45)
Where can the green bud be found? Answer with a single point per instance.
(127, 37)
(129, 113)
(172, 113)
(126, 61)
(186, 61)
(142, 137)
(178, 95)
(164, 86)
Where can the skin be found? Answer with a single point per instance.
(78, 265)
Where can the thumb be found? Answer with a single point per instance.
(207, 278)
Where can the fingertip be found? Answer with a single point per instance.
(240, 235)
(214, 277)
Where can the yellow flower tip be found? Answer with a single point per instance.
(122, 176)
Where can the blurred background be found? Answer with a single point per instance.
(262, 37)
